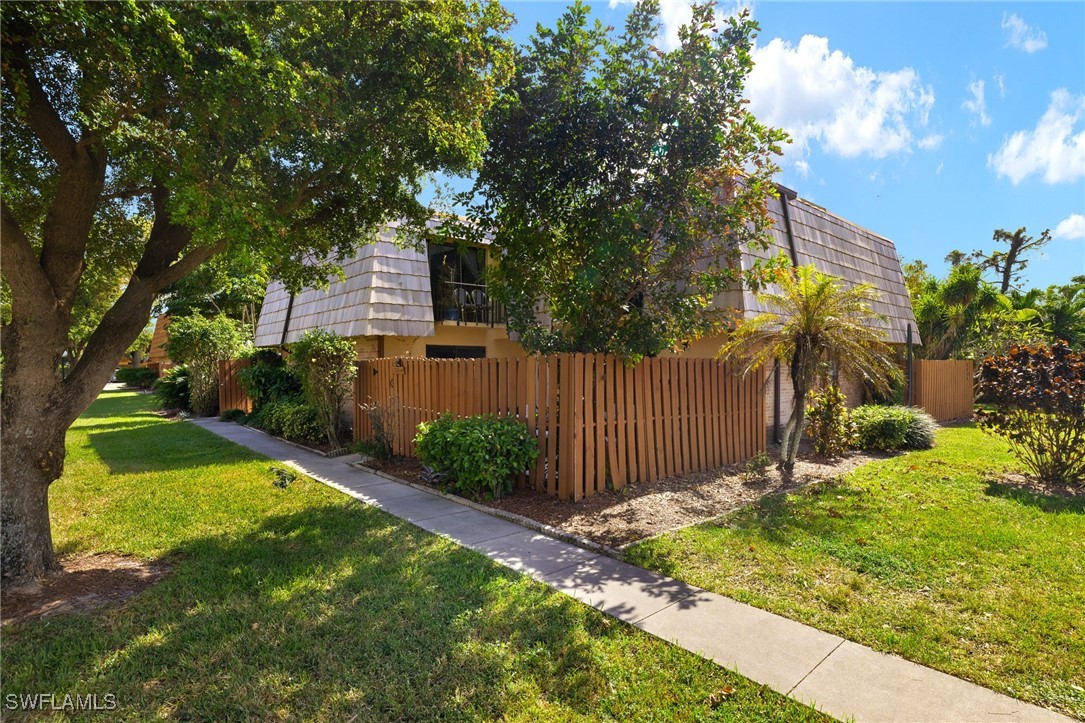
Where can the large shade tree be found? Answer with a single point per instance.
(156, 136)
(621, 181)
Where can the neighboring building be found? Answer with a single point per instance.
(157, 354)
(405, 302)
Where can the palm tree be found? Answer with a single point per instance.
(951, 312)
(816, 323)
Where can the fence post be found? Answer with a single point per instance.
(911, 369)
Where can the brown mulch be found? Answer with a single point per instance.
(86, 583)
(646, 509)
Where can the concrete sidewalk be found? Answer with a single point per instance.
(841, 678)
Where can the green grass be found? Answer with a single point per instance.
(301, 603)
(919, 555)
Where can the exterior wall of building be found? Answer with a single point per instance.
(495, 339)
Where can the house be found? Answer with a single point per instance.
(158, 358)
(397, 302)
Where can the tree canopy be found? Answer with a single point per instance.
(143, 139)
(621, 180)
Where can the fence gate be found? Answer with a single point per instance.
(231, 395)
(944, 387)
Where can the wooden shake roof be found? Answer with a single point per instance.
(842, 249)
(385, 292)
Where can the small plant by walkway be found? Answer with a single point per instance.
(937, 556)
(293, 601)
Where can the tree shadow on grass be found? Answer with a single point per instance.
(1054, 502)
(123, 446)
(336, 611)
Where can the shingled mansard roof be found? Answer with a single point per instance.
(387, 288)
(386, 292)
(842, 249)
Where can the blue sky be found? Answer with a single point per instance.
(930, 123)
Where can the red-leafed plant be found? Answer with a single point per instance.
(1037, 398)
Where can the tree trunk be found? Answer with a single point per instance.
(789, 449)
(32, 438)
(26, 542)
(36, 408)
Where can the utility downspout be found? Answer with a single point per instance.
(286, 322)
(911, 367)
(785, 194)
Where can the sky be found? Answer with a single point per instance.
(932, 124)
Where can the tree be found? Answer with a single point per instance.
(621, 182)
(952, 312)
(324, 361)
(1058, 312)
(232, 285)
(956, 257)
(817, 327)
(199, 343)
(1010, 264)
(141, 347)
(286, 130)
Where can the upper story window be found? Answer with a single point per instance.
(459, 289)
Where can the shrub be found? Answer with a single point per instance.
(199, 343)
(268, 379)
(891, 428)
(324, 361)
(1037, 395)
(233, 415)
(171, 389)
(140, 377)
(382, 418)
(291, 419)
(830, 425)
(369, 448)
(481, 454)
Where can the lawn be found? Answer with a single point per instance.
(920, 555)
(301, 603)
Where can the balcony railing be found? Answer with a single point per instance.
(461, 303)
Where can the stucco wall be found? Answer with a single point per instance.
(494, 339)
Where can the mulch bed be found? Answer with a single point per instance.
(86, 583)
(642, 510)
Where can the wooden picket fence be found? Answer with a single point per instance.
(944, 388)
(597, 421)
(231, 395)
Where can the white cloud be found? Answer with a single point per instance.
(977, 104)
(1021, 35)
(1071, 227)
(931, 142)
(821, 95)
(1000, 81)
(1052, 149)
(938, 171)
(673, 14)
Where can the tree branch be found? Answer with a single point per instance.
(41, 116)
(19, 264)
